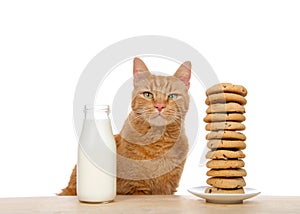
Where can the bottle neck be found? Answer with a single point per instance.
(96, 112)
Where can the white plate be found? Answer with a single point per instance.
(223, 198)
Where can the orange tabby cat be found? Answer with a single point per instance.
(152, 146)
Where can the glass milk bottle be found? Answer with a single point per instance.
(96, 166)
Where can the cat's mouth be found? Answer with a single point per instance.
(158, 120)
(158, 115)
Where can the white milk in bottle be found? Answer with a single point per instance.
(96, 166)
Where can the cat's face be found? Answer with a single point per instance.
(160, 100)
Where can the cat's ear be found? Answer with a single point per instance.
(140, 70)
(184, 73)
(139, 65)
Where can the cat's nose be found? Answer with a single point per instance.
(160, 106)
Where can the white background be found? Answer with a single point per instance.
(44, 47)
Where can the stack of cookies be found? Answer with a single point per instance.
(225, 140)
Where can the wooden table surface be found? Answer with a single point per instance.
(150, 204)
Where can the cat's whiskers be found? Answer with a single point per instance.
(137, 117)
(140, 118)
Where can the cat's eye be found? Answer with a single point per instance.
(148, 95)
(172, 96)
